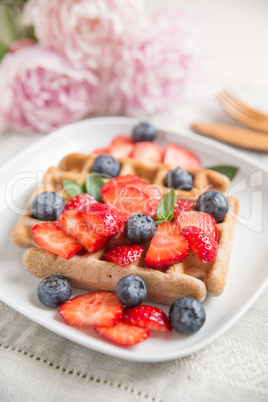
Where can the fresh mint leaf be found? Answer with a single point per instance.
(72, 187)
(227, 170)
(166, 206)
(94, 183)
(159, 221)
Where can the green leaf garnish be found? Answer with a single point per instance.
(165, 210)
(94, 182)
(72, 187)
(227, 170)
(159, 221)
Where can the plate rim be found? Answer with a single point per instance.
(181, 131)
(101, 346)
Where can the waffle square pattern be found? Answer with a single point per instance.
(87, 271)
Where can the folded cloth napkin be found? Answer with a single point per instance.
(38, 365)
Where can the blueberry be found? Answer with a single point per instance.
(179, 179)
(106, 165)
(47, 206)
(187, 315)
(131, 290)
(144, 132)
(54, 291)
(213, 203)
(139, 228)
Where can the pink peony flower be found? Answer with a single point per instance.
(20, 43)
(40, 90)
(84, 30)
(152, 74)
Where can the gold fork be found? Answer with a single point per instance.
(242, 113)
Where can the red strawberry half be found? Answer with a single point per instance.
(201, 243)
(134, 181)
(51, 237)
(148, 317)
(128, 200)
(147, 152)
(168, 246)
(150, 190)
(180, 157)
(183, 205)
(121, 146)
(80, 201)
(200, 220)
(73, 224)
(101, 151)
(128, 179)
(123, 254)
(123, 334)
(104, 219)
(93, 308)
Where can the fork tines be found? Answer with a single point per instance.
(241, 112)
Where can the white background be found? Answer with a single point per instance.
(236, 37)
(236, 41)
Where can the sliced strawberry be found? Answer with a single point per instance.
(201, 243)
(120, 236)
(148, 317)
(104, 219)
(183, 205)
(128, 200)
(147, 152)
(180, 157)
(122, 230)
(101, 151)
(128, 179)
(134, 181)
(93, 308)
(123, 334)
(121, 146)
(123, 254)
(73, 224)
(70, 222)
(91, 240)
(168, 246)
(200, 220)
(52, 238)
(150, 190)
(80, 201)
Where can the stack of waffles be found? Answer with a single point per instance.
(86, 271)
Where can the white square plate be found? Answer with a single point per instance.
(248, 273)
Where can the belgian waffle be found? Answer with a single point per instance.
(89, 271)
(77, 166)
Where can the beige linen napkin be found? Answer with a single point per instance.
(37, 365)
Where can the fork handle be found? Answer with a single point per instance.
(237, 136)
